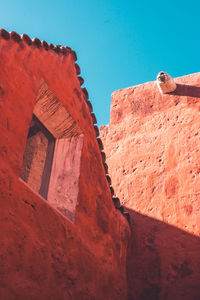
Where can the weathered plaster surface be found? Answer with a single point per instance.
(43, 255)
(153, 154)
(64, 182)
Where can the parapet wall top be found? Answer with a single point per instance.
(165, 83)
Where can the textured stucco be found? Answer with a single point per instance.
(42, 254)
(153, 154)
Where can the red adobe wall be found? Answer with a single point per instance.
(42, 254)
(153, 154)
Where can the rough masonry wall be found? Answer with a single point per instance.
(153, 154)
(42, 254)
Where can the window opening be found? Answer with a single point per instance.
(52, 157)
(38, 157)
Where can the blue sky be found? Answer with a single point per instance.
(118, 43)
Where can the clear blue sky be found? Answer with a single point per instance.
(118, 43)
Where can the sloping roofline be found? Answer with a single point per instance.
(65, 50)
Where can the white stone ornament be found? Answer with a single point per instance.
(165, 83)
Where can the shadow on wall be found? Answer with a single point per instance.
(186, 90)
(163, 261)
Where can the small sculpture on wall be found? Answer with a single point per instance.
(165, 83)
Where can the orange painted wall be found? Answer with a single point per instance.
(42, 254)
(153, 153)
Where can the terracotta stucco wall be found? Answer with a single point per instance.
(152, 146)
(42, 254)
